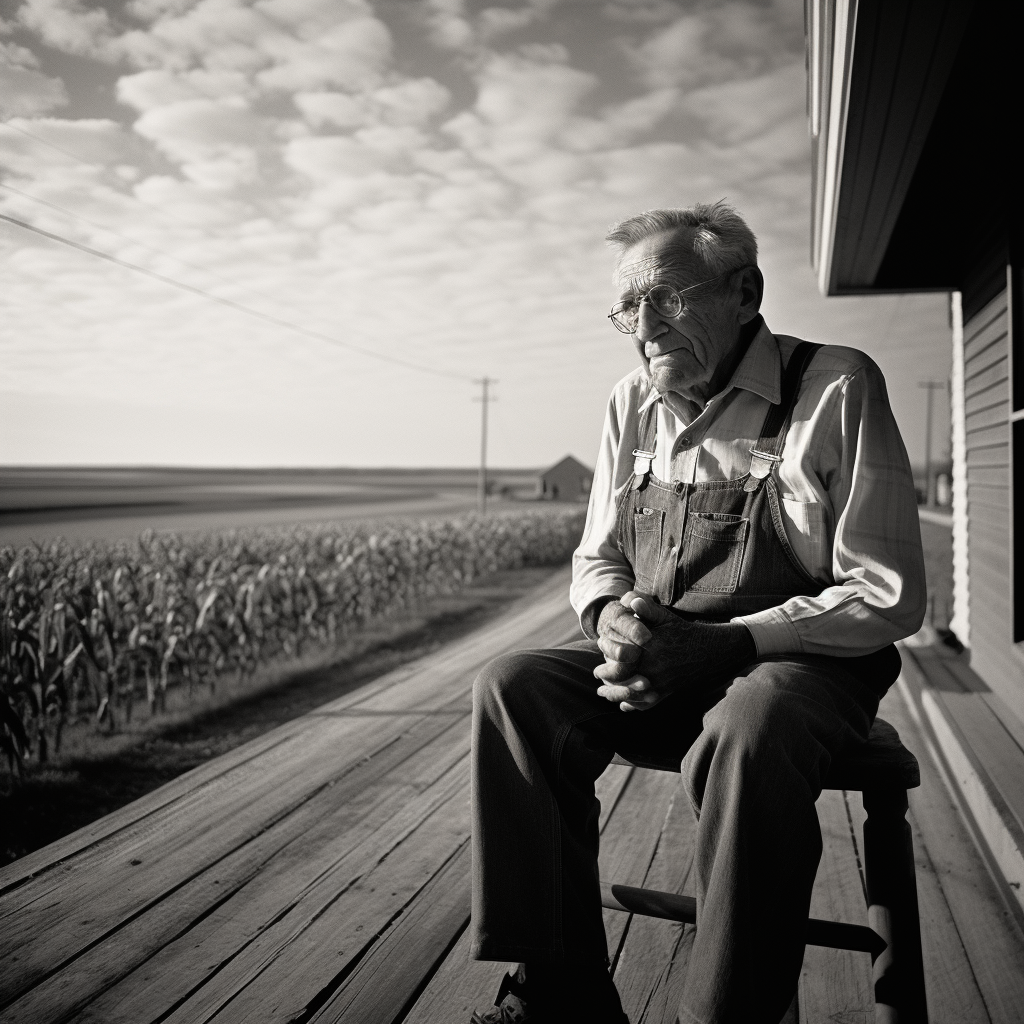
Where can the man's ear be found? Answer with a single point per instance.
(751, 286)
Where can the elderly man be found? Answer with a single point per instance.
(751, 552)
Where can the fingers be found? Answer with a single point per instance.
(648, 610)
(613, 650)
(636, 690)
(619, 624)
(648, 702)
(615, 671)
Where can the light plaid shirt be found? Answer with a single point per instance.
(848, 501)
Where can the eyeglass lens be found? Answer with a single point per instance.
(664, 300)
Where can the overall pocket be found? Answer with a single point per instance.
(712, 555)
(647, 527)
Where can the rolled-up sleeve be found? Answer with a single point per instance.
(879, 592)
(599, 569)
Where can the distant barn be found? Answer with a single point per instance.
(568, 480)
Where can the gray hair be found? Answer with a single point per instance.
(712, 234)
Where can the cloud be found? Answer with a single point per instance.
(728, 41)
(68, 25)
(89, 144)
(335, 108)
(191, 128)
(525, 101)
(412, 102)
(447, 24)
(431, 181)
(24, 91)
(215, 141)
(641, 12)
(497, 21)
(740, 109)
(349, 54)
(158, 88)
(326, 157)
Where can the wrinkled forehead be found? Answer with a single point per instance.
(655, 260)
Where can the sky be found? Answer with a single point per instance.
(421, 189)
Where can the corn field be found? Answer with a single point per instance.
(93, 630)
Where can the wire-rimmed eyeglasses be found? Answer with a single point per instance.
(664, 299)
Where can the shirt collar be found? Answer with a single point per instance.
(760, 370)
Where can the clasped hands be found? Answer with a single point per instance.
(650, 651)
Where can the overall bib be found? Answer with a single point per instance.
(718, 549)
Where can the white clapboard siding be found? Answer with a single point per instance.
(994, 656)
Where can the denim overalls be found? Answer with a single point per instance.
(717, 549)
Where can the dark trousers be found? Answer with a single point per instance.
(753, 754)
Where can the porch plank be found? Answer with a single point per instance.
(835, 984)
(279, 976)
(652, 964)
(950, 983)
(631, 839)
(387, 978)
(279, 869)
(981, 922)
(171, 849)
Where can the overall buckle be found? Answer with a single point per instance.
(641, 467)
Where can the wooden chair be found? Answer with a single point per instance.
(882, 770)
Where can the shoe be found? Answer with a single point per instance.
(512, 1006)
(511, 1011)
(509, 1004)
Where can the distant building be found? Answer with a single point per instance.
(568, 480)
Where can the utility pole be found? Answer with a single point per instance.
(484, 399)
(929, 490)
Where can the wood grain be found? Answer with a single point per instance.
(835, 984)
(990, 939)
(631, 839)
(651, 966)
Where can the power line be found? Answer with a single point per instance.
(43, 142)
(117, 234)
(231, 304)
(192, 266)
(151, 248)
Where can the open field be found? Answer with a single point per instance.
(82, 504)
(96, 629)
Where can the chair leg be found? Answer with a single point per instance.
(898, 973)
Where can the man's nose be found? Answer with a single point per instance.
(649, 325)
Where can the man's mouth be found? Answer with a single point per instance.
(666, 353)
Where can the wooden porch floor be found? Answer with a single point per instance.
(320, 873)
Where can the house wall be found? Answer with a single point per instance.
(994, 656)
(572, 482)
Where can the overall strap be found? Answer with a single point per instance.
(768, 450)
(647, 439)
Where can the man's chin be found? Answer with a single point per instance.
(665, 380)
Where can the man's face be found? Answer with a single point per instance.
(681, 353)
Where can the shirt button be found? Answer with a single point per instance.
(684, 440)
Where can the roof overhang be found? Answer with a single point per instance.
(877, 70)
